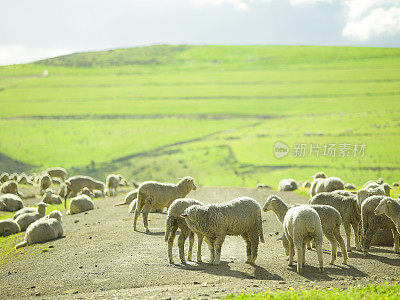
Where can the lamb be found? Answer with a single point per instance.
(43, 230)
(112, 182)
(175, 221)
(10, 187)
(4, 177)
(44, 183)
(57, 172)
(25, 220)
(391, 208)
(371, 223)
(129, 198)
(10, 202)
(322, 184)
(80, 204)
(240, 216)
(76, 183)
(153, 193)
(8, 227)
(50, 197)
(287, 185)
(349, 210)
(330, 221)
(300, 225)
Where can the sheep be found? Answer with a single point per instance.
(391, 208)
(155, 208)
(44, 183)
(330, 221)
(25, 220)
(349, 186)
(153, 193)
(300, 225)
(10, 187)
(306, 184)
(322, 184)
(80, 204)
(240, 216)
(175, 221)
(378, 181)
(57, 172)
(4, 177)
(287, 185)
(129, 198)
(371, 223)
(14, 176)
(10, 202)
(50, 197)
(349, 210)
(122, 181)
(112, 182)
(8, 227)
(76, 183)
(43, 230)
(25, 210)
(22, 179)
(87, 192)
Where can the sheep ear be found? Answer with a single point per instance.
(183, 215)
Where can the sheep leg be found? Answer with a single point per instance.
(299, 245)
(181, 244)
(347, 229)
(199, 243)
(396, 240)
(356, 236)
(368, 234)
(139, 207)
(211, 246)
(248, 247)
(338, 237)
(331, 238)
(191, 242)
(254, 249)
(171, 243)
(304, 254)
(146, 209)
(309, 246)
(291, 250)
(217, 246)
(318, 243)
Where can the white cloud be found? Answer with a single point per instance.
(297, 2)
(240, 4)
(14, 54)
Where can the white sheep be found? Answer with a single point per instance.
(22, 179)
(10, 202)
(112, 182)
(87, 192)
(25, 220)
(371, 223)
(129, 198)
(57, 172)
(10, 187)
(330, 221)
(50, 197)
(80, 204)
(175, 221)
(77, 183)
(287, 185)
(122, 181)
(391, 208)
(8, 227)
(349, 210)
(153, 193)
(44, 183)
(4, 177)
(240, 216)
(43, 230)
(322, 184)
(300, 225)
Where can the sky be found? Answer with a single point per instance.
(32, 30)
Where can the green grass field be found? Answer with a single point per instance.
(213, 112)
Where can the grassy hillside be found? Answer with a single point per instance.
(213, 112)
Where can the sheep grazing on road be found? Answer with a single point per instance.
(122, 181)
(44, 183)
(300, 225)
(132, 195)
(112, 182)
(25, 220)
(10, 202)
(10, 187)
(175, 221)
(76, 183)
(323, 184)
(8, 227)
(240, 216)
(57, 172)
(391, 208)
(153, 193)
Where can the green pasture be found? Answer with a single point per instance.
(213, 112)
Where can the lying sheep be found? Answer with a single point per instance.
(14, 176)
(80, 204)
(287, 185)
(322, 184)
(300, 225)
(349, 210)
(22, 179)
(50, 197)
(87, 192)
(43, 230)
(112, 182)
(330, 221)
(57, 172)
(128, 198)
(306, 184)
(153, 193)
(349, 186)
(175, 221)
(240, 216)
(391, 208)
(10, 202)
(10, 187)
(44, 183)
(371, 223)
(8, 227)
(4, 177)
(77, 183)
(25, 220)
(378, 181)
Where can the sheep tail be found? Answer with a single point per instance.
(119, 204)
(20, 245)
(261, 230)
(168, 227)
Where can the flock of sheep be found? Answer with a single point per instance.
(366, 210)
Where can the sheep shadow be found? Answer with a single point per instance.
(223, 269)
(154, 233)
(383, 259)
